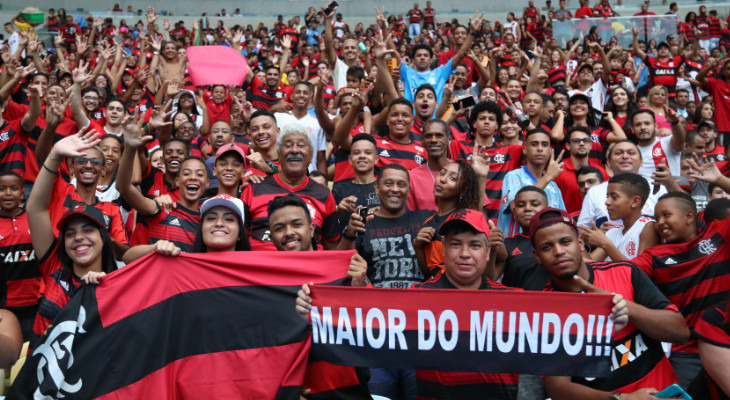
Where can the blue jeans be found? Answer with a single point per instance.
(393, 383)
(414, 30)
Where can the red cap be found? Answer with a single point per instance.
(230, 147)
(537, 223)
(471, 217)
(90, 212)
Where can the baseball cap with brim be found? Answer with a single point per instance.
(577, 97)
(536, 222)
(665, 44)
(223, 200)
(82, 210)
(707, 124)
(232, 148)
(584, 66)
(471, 217)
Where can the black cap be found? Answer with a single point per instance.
(83, 210)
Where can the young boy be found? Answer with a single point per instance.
(627, 194)
(513, 259)
(22, 276)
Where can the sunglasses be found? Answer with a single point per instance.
(590, 181)
(83, 160)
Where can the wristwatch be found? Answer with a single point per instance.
(614, 396)
(348, 237)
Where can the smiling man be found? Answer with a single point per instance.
(295, 147)
(301, 97)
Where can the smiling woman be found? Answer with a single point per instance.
(82, 251)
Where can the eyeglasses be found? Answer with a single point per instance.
(589, 181)
(584, 140)
(81, 161)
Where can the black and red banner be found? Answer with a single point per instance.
(463, 330)
(195, 326)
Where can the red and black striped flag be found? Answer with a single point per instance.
(192, 326)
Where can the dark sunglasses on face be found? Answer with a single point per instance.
(589, 181)
(83, 160)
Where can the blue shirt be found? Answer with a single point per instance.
(512, 183)
(643, 75)
(413, 79)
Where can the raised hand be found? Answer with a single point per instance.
(380, 49)
(82, 44)
(555, 166)
(151, 16)
(159, 118)
(81, 73)
(286, 42)
(496, 235)
(480, 162)
(133, 130)
(55, 111)
(97, 22)
(331, 13)
(704, 170)
(74, 145)
(475, 23)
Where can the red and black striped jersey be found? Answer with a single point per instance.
(712, 328)
(410, 155)
(664, 72)
(638, 360)
(153, 184)
(319, 199)
(19, 260)
(688, 29)
(503, 160)
(264, 98)
(557, 73)
(179, 226)
(64, 198)
(14, 111)
(464, 385)
(703, 24)
(714, 27)
(693, 275)
(58, 288)
(13, 142)
(343, 168)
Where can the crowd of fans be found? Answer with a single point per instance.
(449, 154)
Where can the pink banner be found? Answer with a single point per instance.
(211, 65)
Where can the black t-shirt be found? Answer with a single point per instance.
(521, 268)
(365, 194)
(387, 246)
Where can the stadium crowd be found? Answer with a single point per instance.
(449, 154)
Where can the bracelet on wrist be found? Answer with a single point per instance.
(50, 170)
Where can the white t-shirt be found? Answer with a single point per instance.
(628, 243)
(597, 93)
(647, 158)
(312, 125)
(594, 205)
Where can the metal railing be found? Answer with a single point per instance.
(651, 27)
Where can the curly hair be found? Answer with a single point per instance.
(468, 187)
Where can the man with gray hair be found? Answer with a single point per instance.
(301, 97)
(295, 147)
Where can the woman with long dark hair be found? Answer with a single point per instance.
(82, 250)
(459, 185)
(621, 106)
